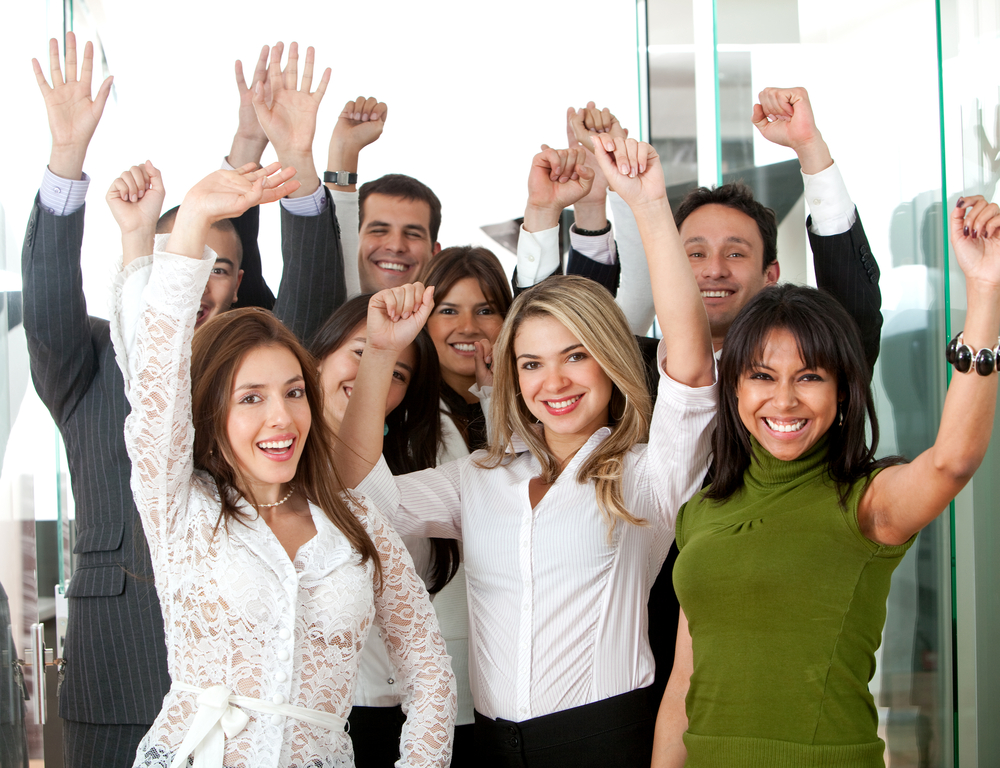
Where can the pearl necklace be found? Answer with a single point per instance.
(288, 495)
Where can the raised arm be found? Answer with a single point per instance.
(58, 330)
(633, 170)
(413, 639)
(395, 317)
(901, 500)
(136, 199)
(842, 258)
(558, 178)
(250, 139)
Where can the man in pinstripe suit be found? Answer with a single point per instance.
(116, 674)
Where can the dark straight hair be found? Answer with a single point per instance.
(414, 429)
(828, 338)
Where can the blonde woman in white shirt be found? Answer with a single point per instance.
(568, 516)
(269, 579)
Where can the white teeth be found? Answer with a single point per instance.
(715, 294)
(392, 265)
(557, 404)
(275, 444)
(465, 347)
(793, 426)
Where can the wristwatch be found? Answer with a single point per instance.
(340, 178)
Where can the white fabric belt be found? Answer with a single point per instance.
(217, 719)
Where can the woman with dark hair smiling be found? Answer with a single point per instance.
(269, 577)
(786, 558)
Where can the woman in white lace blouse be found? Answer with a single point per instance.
(268, 578)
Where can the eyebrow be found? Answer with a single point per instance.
(730, 239)
(570, 348)
(404, 365)
(292, 380)
(224, 260)
(474, 306)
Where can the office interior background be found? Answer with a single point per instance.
(906, 93)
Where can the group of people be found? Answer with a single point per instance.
(407, 512)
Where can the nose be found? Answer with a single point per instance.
(785, 395)
(715, 266)
(394, 242)
(555, 379)
(278, 415)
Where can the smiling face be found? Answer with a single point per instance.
(395, 241)
(339, 369)
(726, 253)
(462, 317)
(563, 386)
(783, 404)
(224, 282)
(269, 419)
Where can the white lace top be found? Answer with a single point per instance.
(237, 612)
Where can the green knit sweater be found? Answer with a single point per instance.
(785, 600)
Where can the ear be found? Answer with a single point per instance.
(437, 249)
(236, 290)
(772, 273)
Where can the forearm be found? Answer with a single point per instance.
(305, 170)
(67, 161)
(671, 720)
(591, 215)
(246, 149)
(359, 443)
(342, 157)
(676, 297)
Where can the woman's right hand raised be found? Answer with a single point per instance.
(632, 169)
(396, 315)
(228, 194)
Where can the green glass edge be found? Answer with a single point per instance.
(948, 372)
(718, 120)
(640, 55)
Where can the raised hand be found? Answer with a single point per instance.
(290, 119)
(361, 122)
(73, 114)
(975, 234)
(784, 116)
(396, 315)
(581, 126)
(632, 168)
(484, 362)
(557, 179)
(250, 139)
(136, 199)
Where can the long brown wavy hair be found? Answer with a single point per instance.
(217, 351)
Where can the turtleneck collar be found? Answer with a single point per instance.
(765, 471)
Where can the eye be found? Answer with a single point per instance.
(296, 393)
(377, 231)
(695, 255)
(759, 376)
(529, 365)
(577, 357)
(447, 311)
(399, 376)
(811, 377)
(251, 398)
(486, 311)
(220, 271)
(735, 255)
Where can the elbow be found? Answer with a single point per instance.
(959, 469)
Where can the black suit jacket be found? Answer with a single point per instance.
(116, 668)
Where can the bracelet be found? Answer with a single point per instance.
(340, 178)
(966, 359)
(592, 232)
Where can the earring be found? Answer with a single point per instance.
(840, 414)
(385, 429)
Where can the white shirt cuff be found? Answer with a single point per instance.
(60, 196)
(599, 248)
(537, 255)
(310, 205)
(832, 209)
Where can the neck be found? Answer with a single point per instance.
(460, 384)
(270, 494)
(717, 341)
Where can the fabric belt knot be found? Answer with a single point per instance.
(219, 717)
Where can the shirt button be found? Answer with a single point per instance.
(58, 190)
(530, 258)
(278, 698)
(282, 655)
(391, 681)
(284, 634)
(276, 719)
(280, 676)
(817, 201)
(524, 710)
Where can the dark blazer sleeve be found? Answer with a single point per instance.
(846, 267)
(312, 280)
(60, 346)
(254, 292)
(607, 275)
(518, 289)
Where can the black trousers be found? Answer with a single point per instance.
(612, 732)
(375, 734)
(86, 745)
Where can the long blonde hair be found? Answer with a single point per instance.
(589, 312)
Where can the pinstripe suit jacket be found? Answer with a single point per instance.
(116, 670)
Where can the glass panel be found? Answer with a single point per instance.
(972, 143)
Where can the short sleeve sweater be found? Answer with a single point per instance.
(785, 600)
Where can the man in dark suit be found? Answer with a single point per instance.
(731, 241)
(116, 673)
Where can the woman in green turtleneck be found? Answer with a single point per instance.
(785, 559)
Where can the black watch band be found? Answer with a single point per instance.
(340, 178)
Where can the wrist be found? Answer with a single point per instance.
(343, 157)
(67, 162)
(305, 171)
(245, 150)
(814, 156)
(590, 215)
(538, 218)
(138, 242)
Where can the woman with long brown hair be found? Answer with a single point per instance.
(269, 577)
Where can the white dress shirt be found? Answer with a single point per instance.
(557, 611)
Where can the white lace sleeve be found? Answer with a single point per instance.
(415, 646)
(151, 328)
